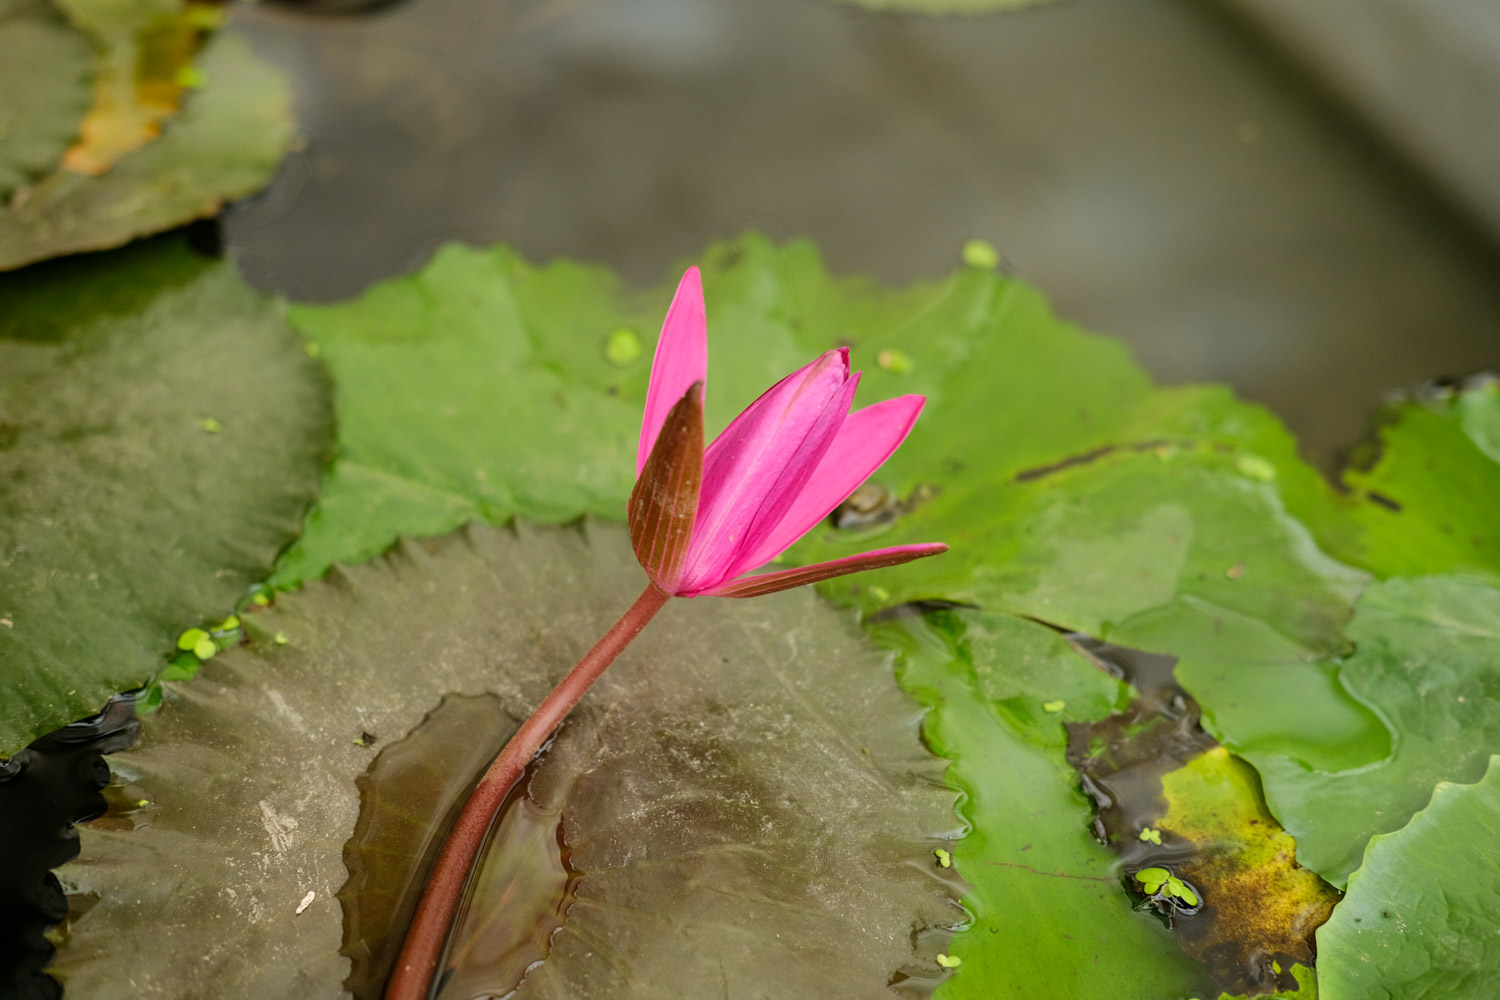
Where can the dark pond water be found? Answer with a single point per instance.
(1152, 166)
(44, 789)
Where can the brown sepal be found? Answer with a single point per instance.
(664, 502)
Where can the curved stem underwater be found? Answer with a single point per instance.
(428, 933)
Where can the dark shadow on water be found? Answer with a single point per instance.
(44, 789)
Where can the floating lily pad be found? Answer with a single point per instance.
(1421, 498)
(121, 519)
(745, 797)
(1051, 913)
(1420, 917)
(1425, 656)
(477, 388)
(46, 66)
(225, 144)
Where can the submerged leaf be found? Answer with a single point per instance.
(1421, 915)
(745, 797)
(224, 144)
(120, 521)
(1259, 909)
(408, 797)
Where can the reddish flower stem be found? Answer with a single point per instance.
(428, 933)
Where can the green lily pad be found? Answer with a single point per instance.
(1422, 498)
(1088, 498)
(46, 67)
(1425, 656)
(1051, 913)
(477, 388)
(225, 144)
(701, 857)
(1420, 917)
(121, 520)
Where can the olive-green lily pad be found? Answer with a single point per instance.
(1189, 823)
(122, 519)
(1051, 915)
(1421, 914)
(224, 144)
(46, 66)
(744, 796)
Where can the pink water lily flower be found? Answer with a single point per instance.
(701, 518)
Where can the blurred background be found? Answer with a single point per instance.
(1302, 200)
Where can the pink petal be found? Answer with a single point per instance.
(761, 460)
(867, 438)
(769, 583)
(681, 359)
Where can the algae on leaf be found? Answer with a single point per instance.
(225, 144)
(122, 518)
(1259, 908)
(744, 797)
(1421, 914)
